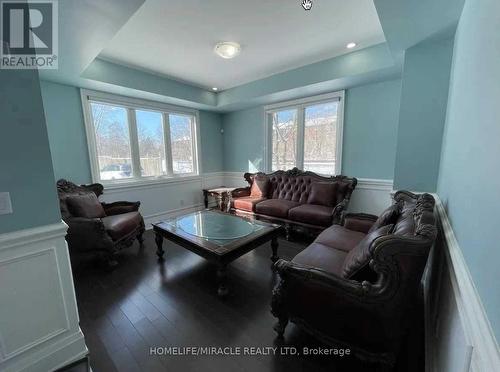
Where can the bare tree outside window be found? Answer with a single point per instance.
(112, 141)
(151, 143)
(320, 138)
(181, 140)
(284, 140)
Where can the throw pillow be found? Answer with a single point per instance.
(323, 193)
(359, 257)
(87, 206)
(260, 186)
(387, 217)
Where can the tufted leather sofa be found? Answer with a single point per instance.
(296, 197)
(357, 284)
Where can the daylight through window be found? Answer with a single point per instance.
(133, 143)
(306, 134)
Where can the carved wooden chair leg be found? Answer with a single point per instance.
(280, 326)
(140, 238)
(288, 230)
(109, 260)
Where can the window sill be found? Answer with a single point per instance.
(146, 183)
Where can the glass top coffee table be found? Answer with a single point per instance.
(218, 237)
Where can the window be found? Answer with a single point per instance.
(306, 134)
(138, 141)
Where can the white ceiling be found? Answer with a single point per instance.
(176, 37)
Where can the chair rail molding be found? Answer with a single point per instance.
(457, 311)
(39, 324)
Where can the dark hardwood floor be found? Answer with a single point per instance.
(143, 304)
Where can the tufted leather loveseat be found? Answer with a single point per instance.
(295, 197)
(357, 284)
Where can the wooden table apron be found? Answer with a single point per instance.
(243, 246)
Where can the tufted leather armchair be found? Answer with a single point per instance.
(357, 284)
(295, 197)
(117, 226)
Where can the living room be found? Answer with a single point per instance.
(249, 185)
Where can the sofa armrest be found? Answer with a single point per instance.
(120, 207)
(339, 212)
(354, 314)
(86, 234)
(361, 222)
(241, 192)
(291, 270)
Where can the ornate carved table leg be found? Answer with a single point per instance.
(220, 202)
(159, 244)
(205, 198)
(274, 247)
(228, 201)
(222, 277)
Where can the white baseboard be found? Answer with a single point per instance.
(459, 336)
(39, 326)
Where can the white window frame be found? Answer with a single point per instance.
(300, 105)
(132, 104)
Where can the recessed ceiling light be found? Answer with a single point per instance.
(227, 49)
(351, 45)
(215, 89)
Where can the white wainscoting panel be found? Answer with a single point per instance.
(459, 337)
(371, 196)
(39, 326)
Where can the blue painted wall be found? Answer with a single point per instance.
(244, 140)
(370, 127)
(469, 181)
(370, 130)
(24, 153)
(211, 142)
(422, 116)
(66, 129)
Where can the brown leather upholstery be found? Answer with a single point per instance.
(85, 206)
(359, 257)
(296, 188)
(340, 238)
(389, 216)
(369, 311)
(312, 214)
(247, 203)
(275, 207)
(322, 257)
(323, 193)
(88, 233)
(121, 225)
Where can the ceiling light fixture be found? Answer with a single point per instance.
(351, 45)
(215, 89)
(227, 49)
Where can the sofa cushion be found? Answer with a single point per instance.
(247, 203)
(85, 205)
(312, 214)
(339, 237)
(322, 257)
(359, 257)
(323, 193)
(121, 225)
(275, 207)
(389, 216)
(260, 186)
